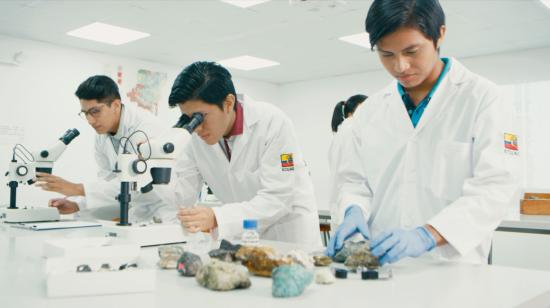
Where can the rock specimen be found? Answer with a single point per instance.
(188, 264)
(290, 280)
(361, 259)
(226, 252)
(356, 254)
(223, 276)
(169, 256)
(322, 260)
(302, 258)
(222, 255)
(346, 251)
(324, 276)
(361, 256)
(105, 267)
(226, 245)
(260, 261)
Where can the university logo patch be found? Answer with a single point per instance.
(511, 143)
(287, 163)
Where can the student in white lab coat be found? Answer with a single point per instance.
(102, 108)
(248, 154)
(426, 170)
(341, 128)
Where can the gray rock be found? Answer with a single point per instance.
(349, 248)
(361, 259)
(357, 255)
(189, 264)
(226, 252)
(222, 255)
(223, 276)
(226, 245)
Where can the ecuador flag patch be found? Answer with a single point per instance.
(511, 143)
(287, 163)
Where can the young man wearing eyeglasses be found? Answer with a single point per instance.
(102, 108)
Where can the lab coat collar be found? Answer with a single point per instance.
(447, 88)
(121, 127)
(251, 117)
(458, 73)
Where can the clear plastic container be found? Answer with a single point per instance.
(250, 236)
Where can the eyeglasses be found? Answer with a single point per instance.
(94, 112)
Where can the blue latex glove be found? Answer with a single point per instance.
(354, 222)
(397, 244)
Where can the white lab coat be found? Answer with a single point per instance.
(103, 191)
(253, 184)
(451, 171)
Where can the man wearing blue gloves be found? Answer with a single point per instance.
(427, 162)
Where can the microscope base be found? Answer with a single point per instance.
(149, 235)
(28, 214)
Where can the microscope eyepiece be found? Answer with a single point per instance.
(196, 120)
(182, 121)
(69, 136)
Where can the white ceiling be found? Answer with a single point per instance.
(301, 35)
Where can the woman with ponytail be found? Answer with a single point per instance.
(341, 124)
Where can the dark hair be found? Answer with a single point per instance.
(386, 16)
(206, 81)
(99, 87)
(343, 109)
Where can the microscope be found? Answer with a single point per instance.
(22, 170)
(158, 156)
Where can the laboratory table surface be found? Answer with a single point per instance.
(538, 224)
(415, 283)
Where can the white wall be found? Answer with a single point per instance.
(38, 97)
(310, 103)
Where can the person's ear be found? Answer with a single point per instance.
(117, 104)
(229, 103)
(441, 38)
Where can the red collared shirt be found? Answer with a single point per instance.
(236, 130)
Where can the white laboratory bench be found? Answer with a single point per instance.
(538, 224)
(416, 283)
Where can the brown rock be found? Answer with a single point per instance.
(260, 261)
(322, 260)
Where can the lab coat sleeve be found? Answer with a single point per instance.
(189, 180)
(488, 195)
(101, 191)
(350, 180)
(274, 198)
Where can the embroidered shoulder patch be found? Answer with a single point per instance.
(287, 163)
(511, 144)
